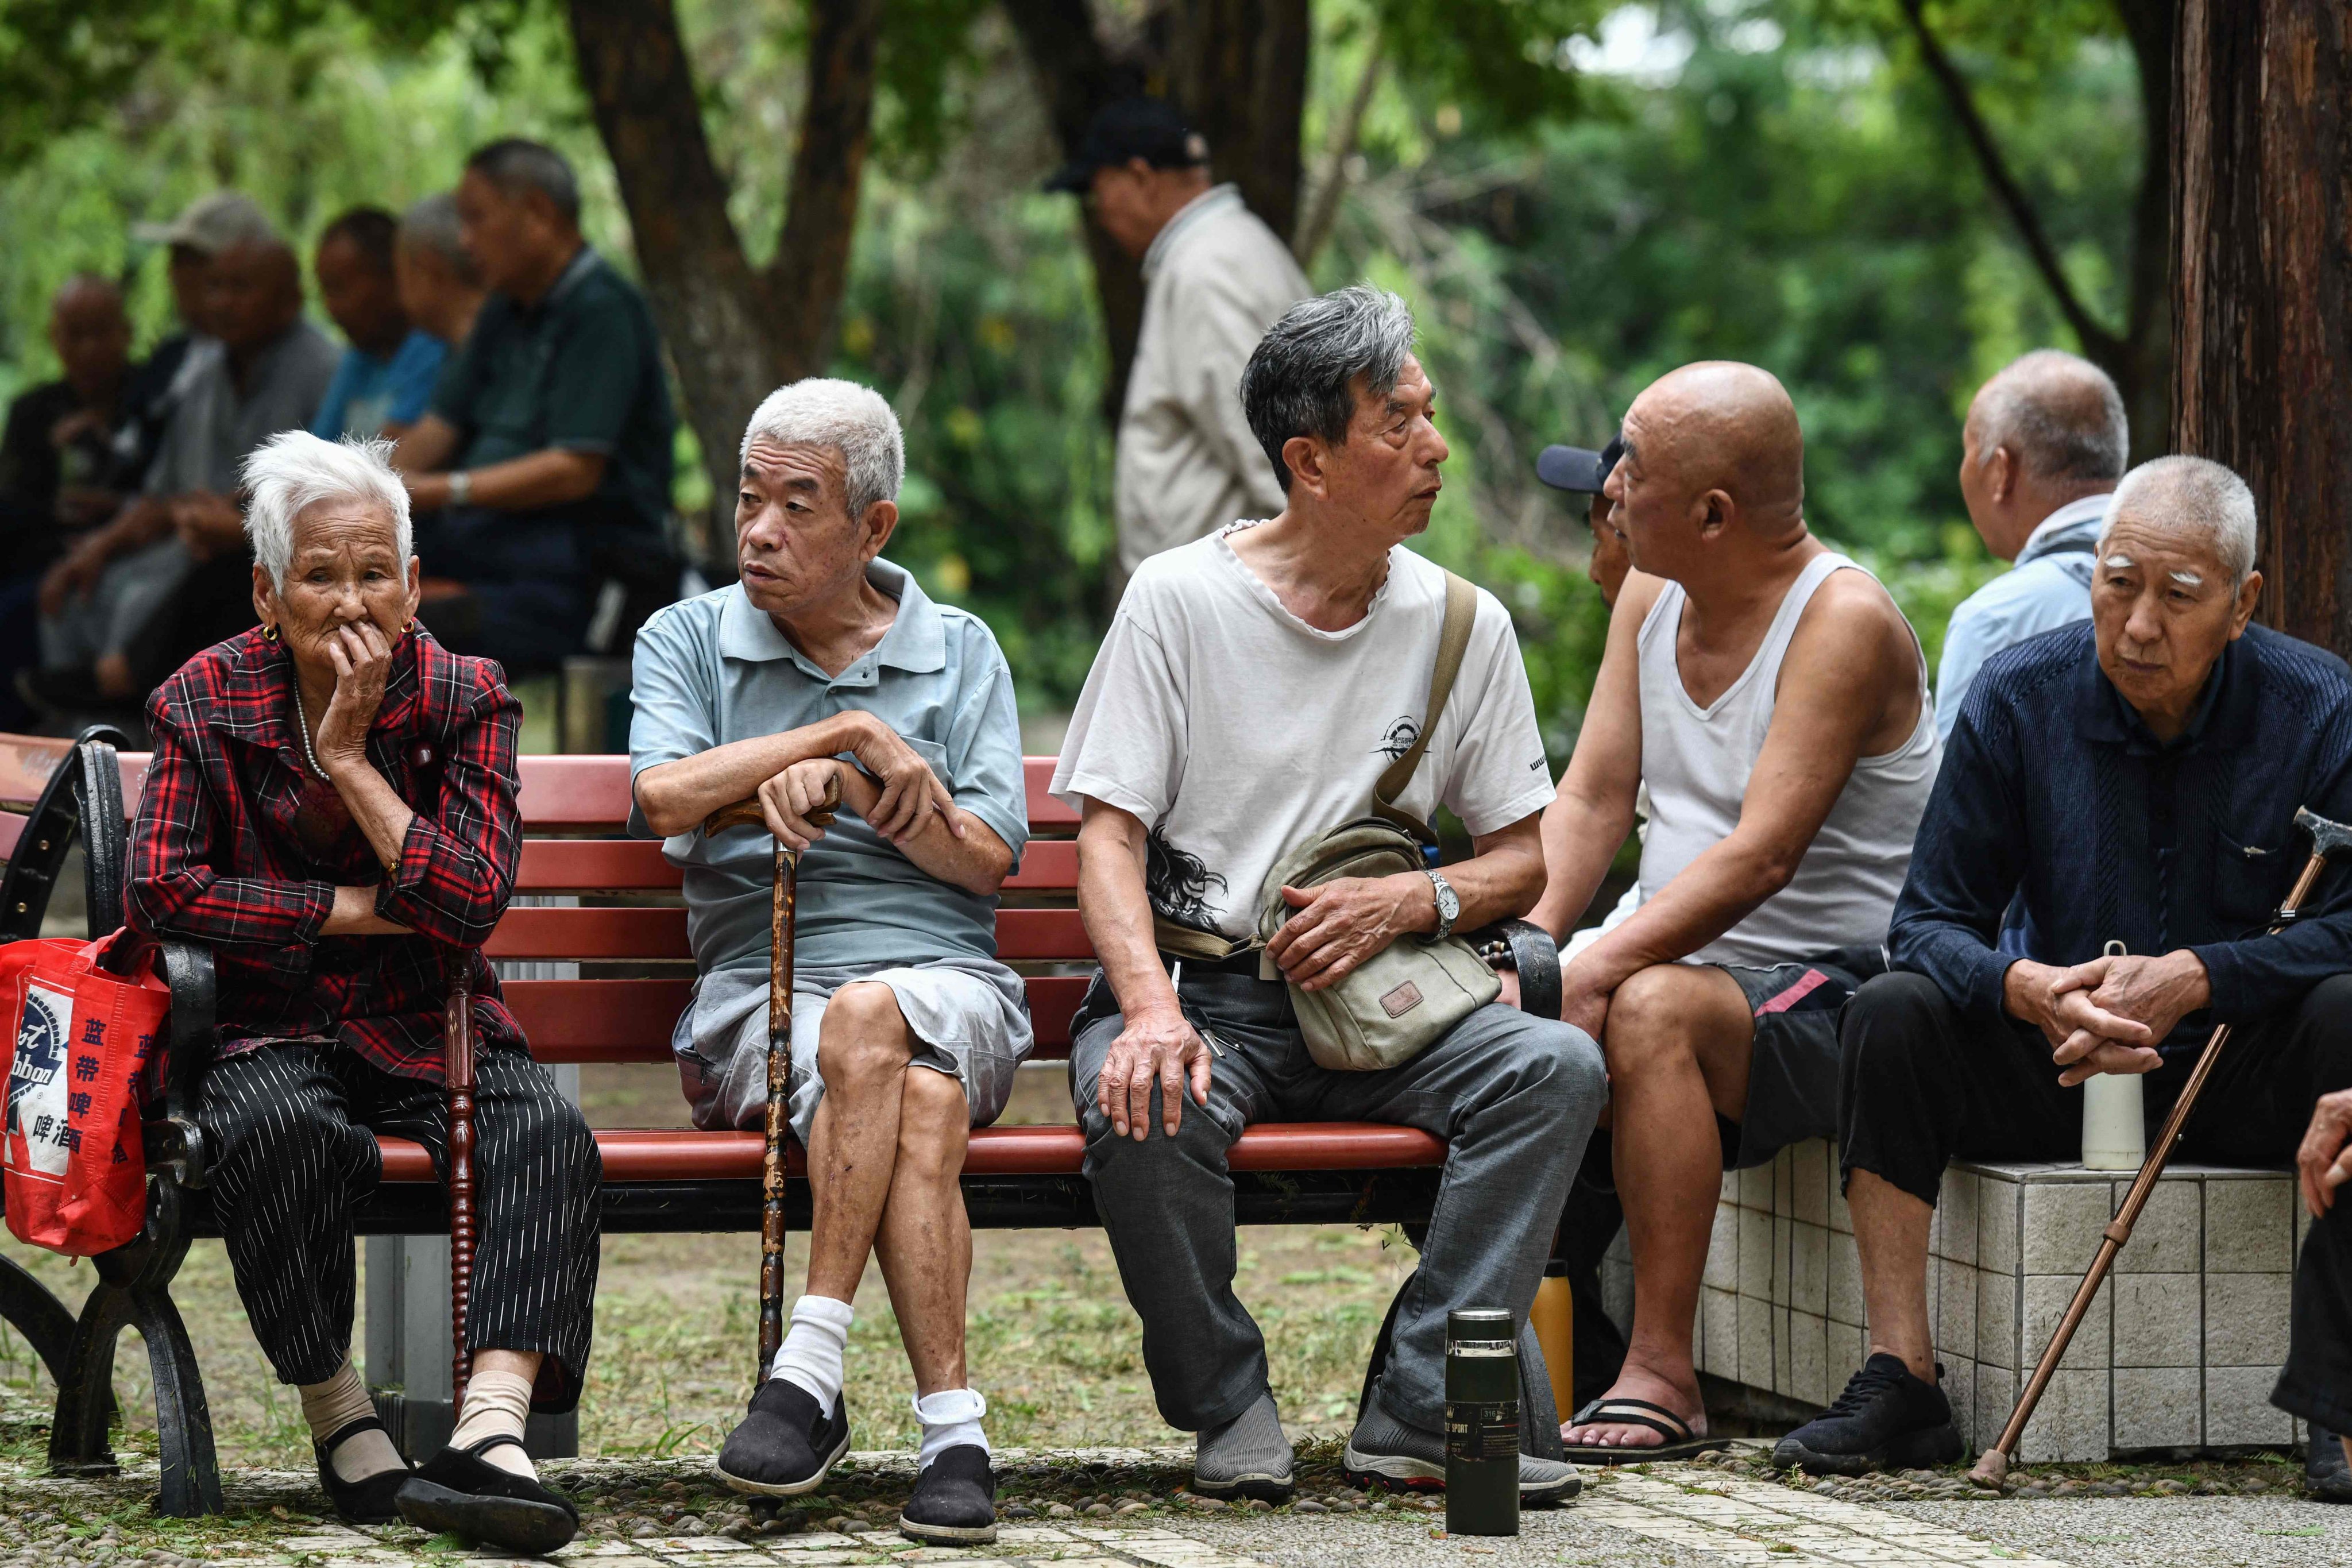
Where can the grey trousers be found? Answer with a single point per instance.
(1515, 1097)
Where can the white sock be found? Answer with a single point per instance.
(497, 1404)
(330, 1407)
(812, 1348)
(950, 1417)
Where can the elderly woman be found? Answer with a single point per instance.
(330, 810)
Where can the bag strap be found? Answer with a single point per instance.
(1453, 641)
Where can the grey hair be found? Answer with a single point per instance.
(2058, 415)
(432, 225)
(853, 420)
(295, 471)
(2193, 496)
(516, 166)
(1300, 380)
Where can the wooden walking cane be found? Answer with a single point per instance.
(785, 890)
(2327, 840)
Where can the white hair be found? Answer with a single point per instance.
(2193, 496)
(853, 420)
(295, 471)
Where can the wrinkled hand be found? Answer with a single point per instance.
(2325, 1162)
(1156, 1046)
(909, 788)
(207, 523)
(2155, 993)
(1342, 923)
(362, 660)
(72, 576)
(790, 799)
(2072, 1021)
(1584, 995)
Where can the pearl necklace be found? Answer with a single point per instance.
(302, 728)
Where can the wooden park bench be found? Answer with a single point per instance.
(626, 931)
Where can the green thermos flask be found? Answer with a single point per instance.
(1481, 1424)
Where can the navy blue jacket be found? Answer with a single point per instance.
(2053, 789)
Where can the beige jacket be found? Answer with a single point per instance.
(1214, 280)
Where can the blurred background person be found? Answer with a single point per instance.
(387, 372)
(440, 286)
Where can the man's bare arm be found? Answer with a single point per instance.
(429, 445)
(954, 847)
(1591, 814)
(673, 797)
(1850, 678)
(1155, 1044)
(547, 478)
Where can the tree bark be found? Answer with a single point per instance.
(805, 282)
(1238, 68)
(2262, 302)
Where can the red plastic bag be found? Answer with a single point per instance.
(75, 1169)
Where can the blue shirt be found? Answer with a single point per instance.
(369, 392)
(2049, 587)
(2055, 792)
(714, 669)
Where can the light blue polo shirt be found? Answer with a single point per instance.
(713, 670)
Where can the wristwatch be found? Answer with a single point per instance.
(461, 487)
(1449, 907)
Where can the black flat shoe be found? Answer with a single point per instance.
(2326, 1477)
(369, 1500)
(458, 1492)
(785, 1445)
(955, 1500)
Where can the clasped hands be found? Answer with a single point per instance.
(889, 786)
(2110, 1014)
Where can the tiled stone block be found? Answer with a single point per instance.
(1755, 1342)
(2170, 1237)
(2250, 1226)
(2238, 1408)
(1999, 1206)
(1810, 1165)
(2245, 1319)
(2158, 1407)
(1809, 1351)
(1718, 1313)
(1783, 1230)
(2158, 1319)
(1847, 1344)
(2046, 1298)
(1960, 1385)
(1784, 1182)
(1809, 1269)
(1756, 1188)
(1956, 1211)
(1845, 1279)
(1783, 1374)
(1756, 1254)
(1841, 1217)
(2063, 1222)
(1723, 1250)
(1997, 1318)
(1996, 1394)
(1956, 1305)
(2071, 1422)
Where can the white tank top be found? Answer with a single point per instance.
(1695, 763)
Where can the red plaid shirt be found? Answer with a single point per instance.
(240, 847)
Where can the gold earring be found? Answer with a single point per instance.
(269, 632)
(411, 626)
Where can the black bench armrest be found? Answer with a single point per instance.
(174, 1144)
(1527, 947)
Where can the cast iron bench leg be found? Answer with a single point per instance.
(33, 1310)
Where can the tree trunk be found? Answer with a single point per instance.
(2148, 326)
(733, 333)
(2263, 303)
(1238, 68)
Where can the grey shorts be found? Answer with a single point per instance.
(1792, 1078)
(969, 1018)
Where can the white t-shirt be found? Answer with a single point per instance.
(1236, 731)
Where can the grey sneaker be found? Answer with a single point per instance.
(1247, 1457)
(1384, 1448)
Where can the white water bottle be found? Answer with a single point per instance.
(2114, 1126)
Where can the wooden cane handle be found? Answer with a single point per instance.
(746, 813)
(459, 1069)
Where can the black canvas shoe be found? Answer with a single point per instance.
(2326, 1477)
(371, 1499)
(786, 1444)
(458, 1492)
(1885, 1419)
(955, 1500)
(1384, 1448)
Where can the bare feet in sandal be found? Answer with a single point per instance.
(1652, 1417)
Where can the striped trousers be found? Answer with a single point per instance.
(290, 1130)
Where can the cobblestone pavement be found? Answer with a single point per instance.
(1127, 1509)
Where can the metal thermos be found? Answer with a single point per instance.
(1481, 1424)
(2114, 1115)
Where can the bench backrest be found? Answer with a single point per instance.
(628, 930)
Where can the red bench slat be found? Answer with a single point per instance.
(640, 932)
(645, 1154)
(636, 865)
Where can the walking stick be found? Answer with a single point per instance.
(785, 890)
(458, 1063)
(2327, 838)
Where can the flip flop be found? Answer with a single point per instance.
(1680, 1443)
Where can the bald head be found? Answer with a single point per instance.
(1722, 426)
(253, 293)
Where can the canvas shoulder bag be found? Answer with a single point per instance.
(1399, 1001)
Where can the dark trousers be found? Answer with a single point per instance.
(529, 592)
(1919, 1085)
(1515, 1097)
(290, 1126)
(2317, 1381)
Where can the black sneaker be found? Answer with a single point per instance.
(786, 1444)
(1885, 1419)
(371, 1499)
(955, 1500)
(458, 1492)
(2326, 1477)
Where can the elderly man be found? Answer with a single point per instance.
(2130, 781)
(1214, 278)
(2044, 444)
(1772, 702)
(440, 286)
(825, 663)
(1252, 690)
(391, 364)
(104, 605)
(546, 451)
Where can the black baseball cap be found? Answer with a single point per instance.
(1579, 468)
(1145, 128)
